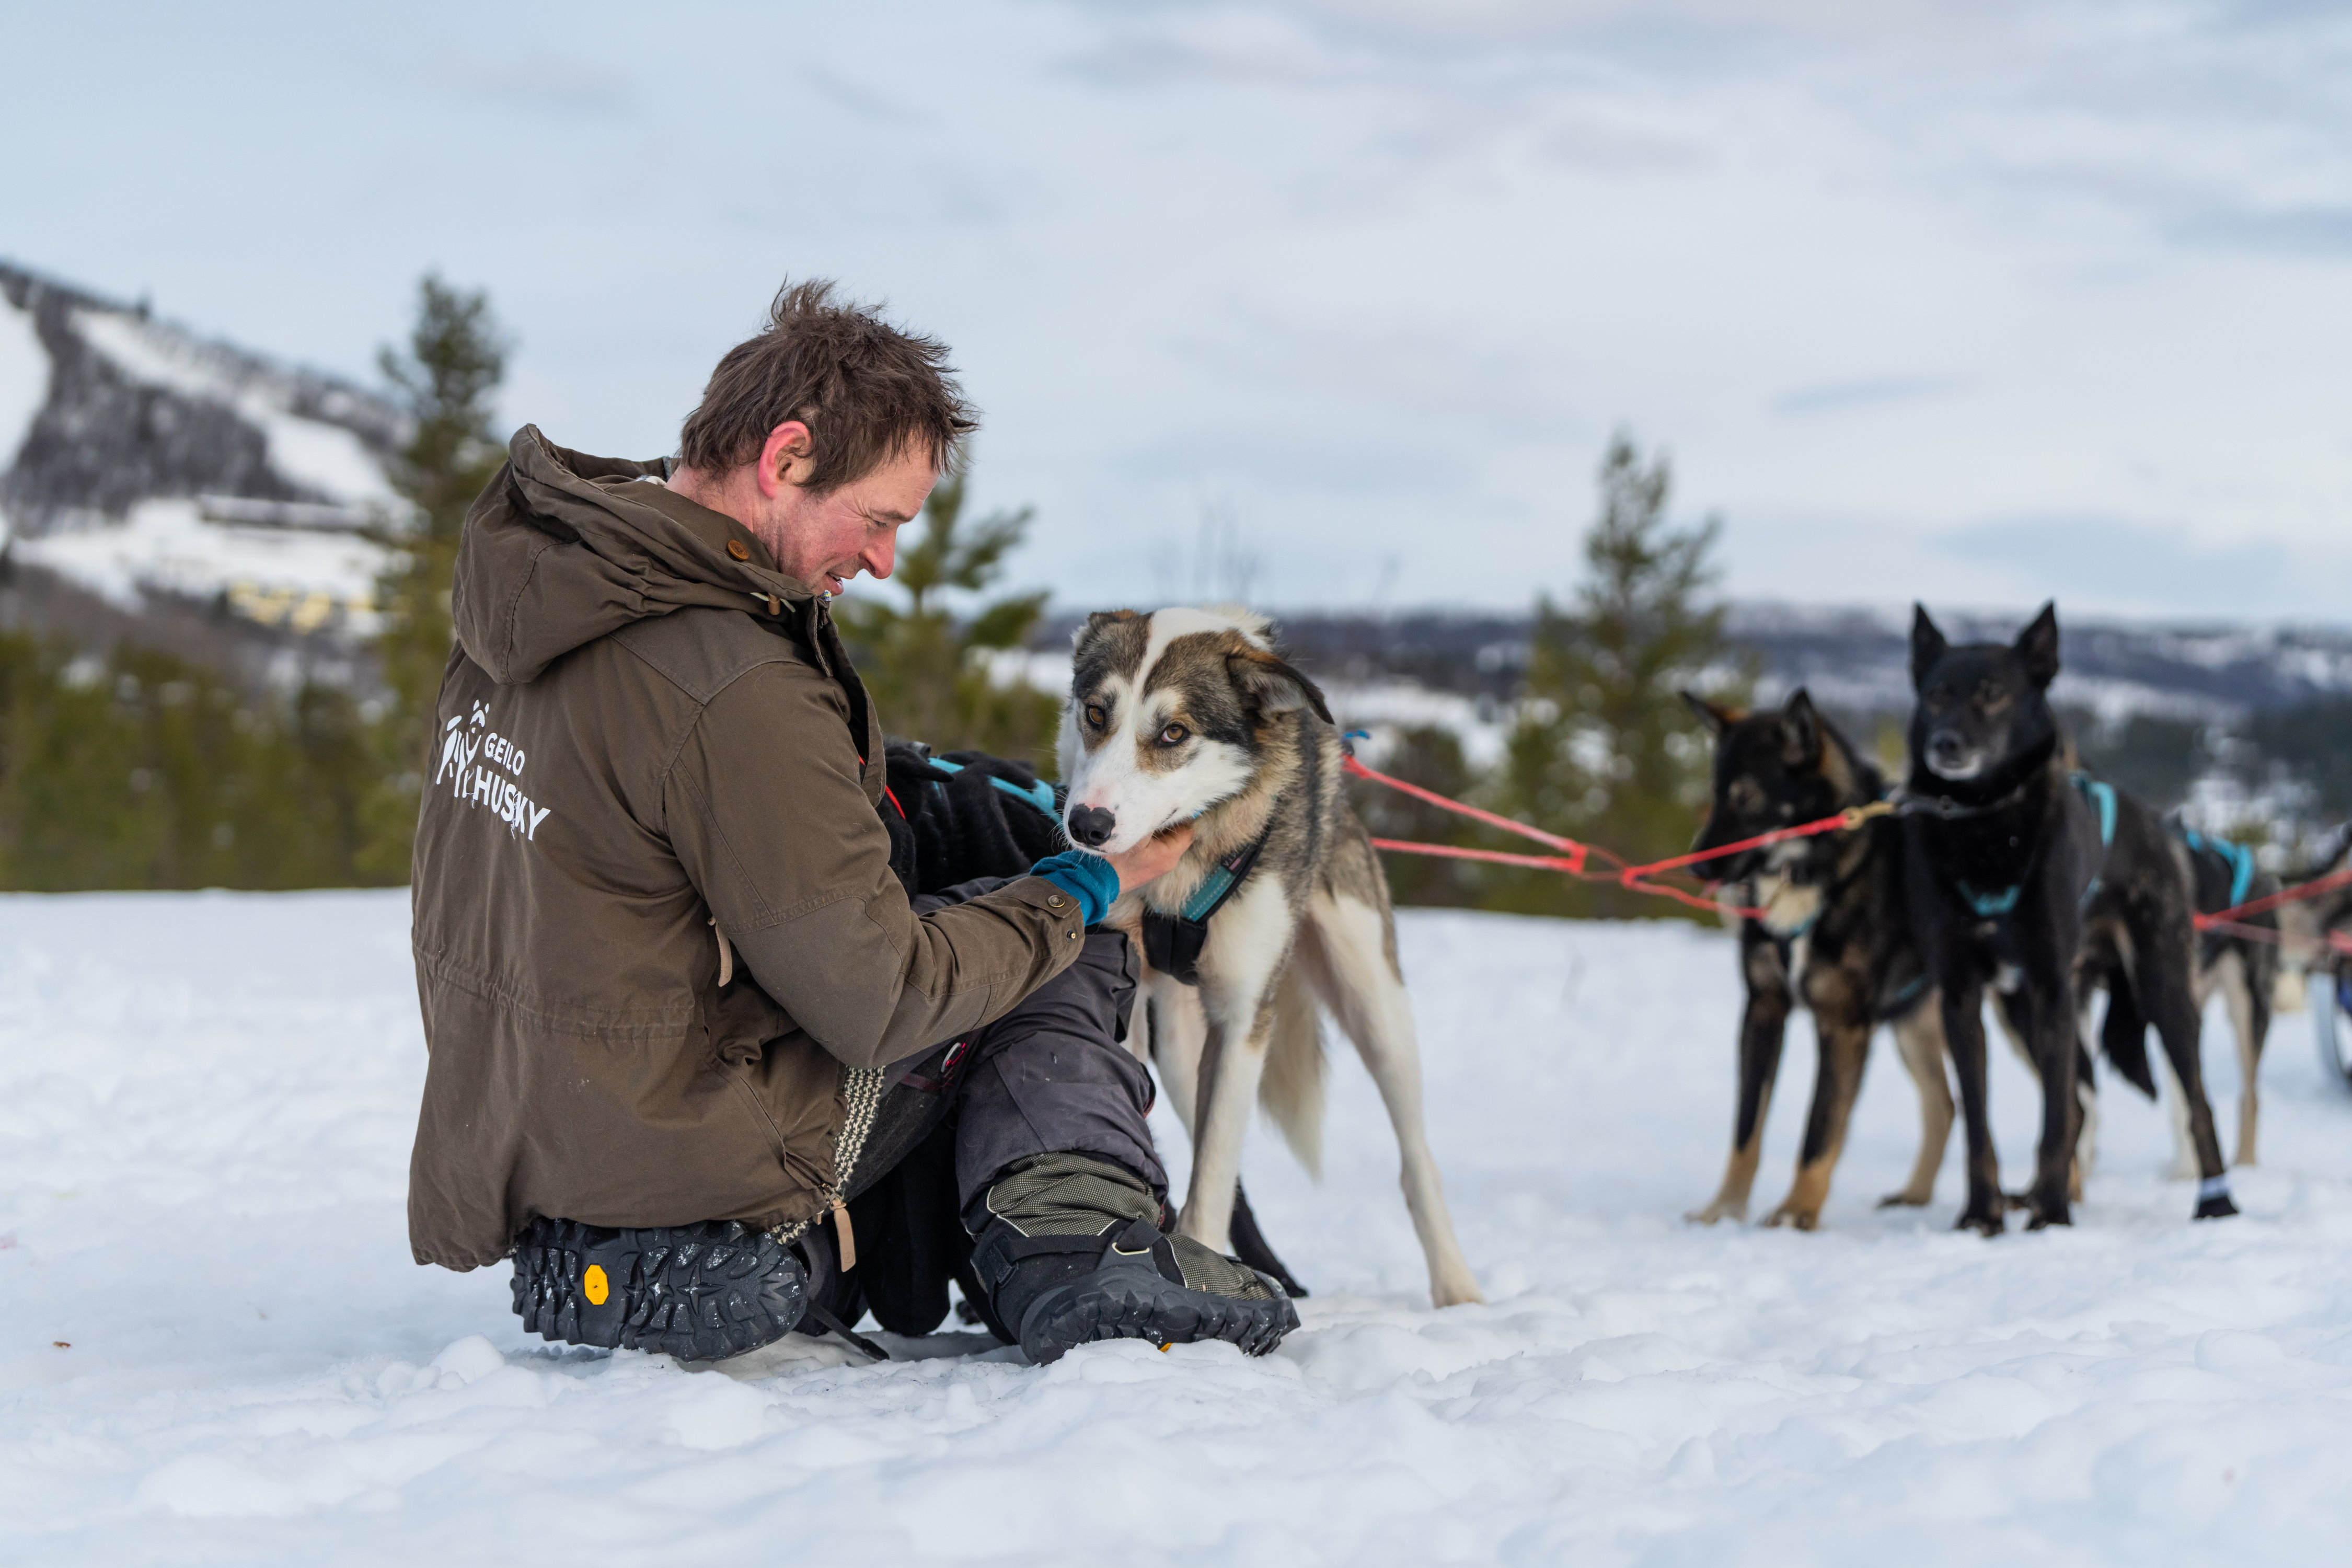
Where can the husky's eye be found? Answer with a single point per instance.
(1173, 735)
(1096, 716)
(1937, 696)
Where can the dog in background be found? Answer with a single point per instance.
(2242, 970)
(1834, 937)
(1280, 903)
(2023, 873)
(2306, 924)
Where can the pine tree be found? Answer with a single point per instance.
(1604, 751)
(455, 361)
(926, 667)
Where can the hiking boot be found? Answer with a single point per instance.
(1072, 1252)
(700, 1293)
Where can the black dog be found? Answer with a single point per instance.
(1834, 934)
(2021, 870)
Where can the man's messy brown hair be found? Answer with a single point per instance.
(867, 391)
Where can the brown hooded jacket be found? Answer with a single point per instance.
(645, 729)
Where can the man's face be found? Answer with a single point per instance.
(825, 540)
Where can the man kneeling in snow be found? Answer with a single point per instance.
(690, 1036)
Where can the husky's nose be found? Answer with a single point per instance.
(1092, 826)
(1946, 749)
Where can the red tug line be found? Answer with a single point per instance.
(1574, 859)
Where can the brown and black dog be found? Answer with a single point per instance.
(1834, 937)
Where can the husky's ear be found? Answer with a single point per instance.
(1274, 685)
(2037, 644)
(1714, 720)
(1097, 622)
(1927, 646)
(1800, 731)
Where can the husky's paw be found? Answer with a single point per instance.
(2048, 1212)
(1793, 1217)
(1721, 1209)
(1987, 1220)
(2217, 1206)
(1908, 1198)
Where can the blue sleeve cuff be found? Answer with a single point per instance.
(1086, 877)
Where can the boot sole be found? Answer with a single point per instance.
(700, 1293)
(1136, 1303)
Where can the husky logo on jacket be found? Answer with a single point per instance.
(469, 755)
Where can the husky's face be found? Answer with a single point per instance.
(1982, 705)
(1772, 770)
(1168, 715)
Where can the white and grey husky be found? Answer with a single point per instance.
(1194, 715)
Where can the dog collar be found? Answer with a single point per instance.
(1173, 943)
(1909, 803)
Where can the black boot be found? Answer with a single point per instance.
(1071, 1252)
(698, 1292)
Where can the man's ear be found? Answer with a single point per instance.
(1096, 623)
(1715, 719)
(783, 457)
(2037, 644)
(1800, 731)
(1927, 646)
(1272, 685)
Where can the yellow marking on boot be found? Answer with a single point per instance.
(596, 1286)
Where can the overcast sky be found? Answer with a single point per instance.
(1977, 302)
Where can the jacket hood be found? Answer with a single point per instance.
(564, 548)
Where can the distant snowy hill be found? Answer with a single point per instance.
(162, 475)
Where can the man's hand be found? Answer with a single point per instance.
(1153, 858)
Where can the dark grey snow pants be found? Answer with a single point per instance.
(1053, 1077)
(1050, 1076)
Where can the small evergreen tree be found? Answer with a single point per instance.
(1604, 751)
(455, 361)
(926, 667)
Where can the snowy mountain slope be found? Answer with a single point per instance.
(23, 382)
(202, 1155)
(115, 427)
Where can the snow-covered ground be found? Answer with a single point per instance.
(215, 1349)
